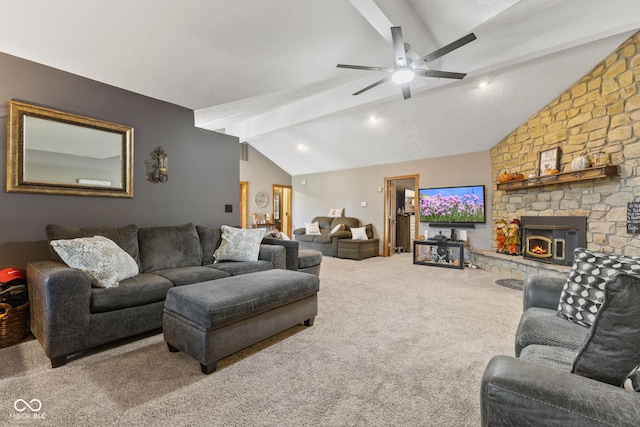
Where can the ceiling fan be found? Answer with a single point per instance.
(405, 69)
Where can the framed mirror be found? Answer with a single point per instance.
(54, 152)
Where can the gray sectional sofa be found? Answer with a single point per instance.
(68, 315)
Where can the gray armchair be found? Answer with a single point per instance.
(540, 324)
(567, 374)
(519, 393)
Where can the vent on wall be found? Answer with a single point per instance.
(244, 151)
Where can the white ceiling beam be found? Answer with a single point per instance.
(397, 13)
(374, 15)
(333, 100)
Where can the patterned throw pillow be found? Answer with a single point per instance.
(583, 292)
(239, 244)
(273, 234)
(100, 258)
(369, 228)
(277, 234)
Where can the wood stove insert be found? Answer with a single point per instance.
(553, 239)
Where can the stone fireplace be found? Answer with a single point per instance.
(552, 239)
(599, 113)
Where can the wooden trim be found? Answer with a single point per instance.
(285, 204)
(386, 249)
(244, 204)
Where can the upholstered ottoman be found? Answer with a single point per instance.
(309, 261)
(211, 320)
(357, 249)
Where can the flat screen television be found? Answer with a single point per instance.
(451, 206)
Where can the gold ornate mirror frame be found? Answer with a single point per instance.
(54, 152)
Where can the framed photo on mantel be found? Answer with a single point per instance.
(549, 161)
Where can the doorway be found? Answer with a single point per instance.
(244, 203)
(397, 202)
(282, 208)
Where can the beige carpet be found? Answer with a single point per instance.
(394, 344)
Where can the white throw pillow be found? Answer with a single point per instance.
(284, 236)
(359, 233)
(312, 229)
(100, 258)
(337, 228)
(239, 244)
(337, 212)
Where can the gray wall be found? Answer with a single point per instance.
(203, 167)
(349, 188)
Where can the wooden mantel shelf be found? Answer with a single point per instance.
(560, 178)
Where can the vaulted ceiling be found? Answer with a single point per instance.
(265, 71)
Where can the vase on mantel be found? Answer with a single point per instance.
(580, 162)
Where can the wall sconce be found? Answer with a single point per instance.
(159, 164)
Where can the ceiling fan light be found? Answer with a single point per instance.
(403, 75)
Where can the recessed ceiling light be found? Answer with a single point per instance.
(483, 84)
(373, 118)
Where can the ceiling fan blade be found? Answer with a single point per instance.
(406, 91)
(441, 74)
(398, 46)
(379, 82)
(365, 67)
(448, 48)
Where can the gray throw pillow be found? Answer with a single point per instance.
(210, 239)
(170, 246)
(612, 347)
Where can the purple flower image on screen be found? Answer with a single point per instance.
(452, 204)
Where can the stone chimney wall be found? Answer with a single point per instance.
(601, 112)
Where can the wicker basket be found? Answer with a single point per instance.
(13, 324)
